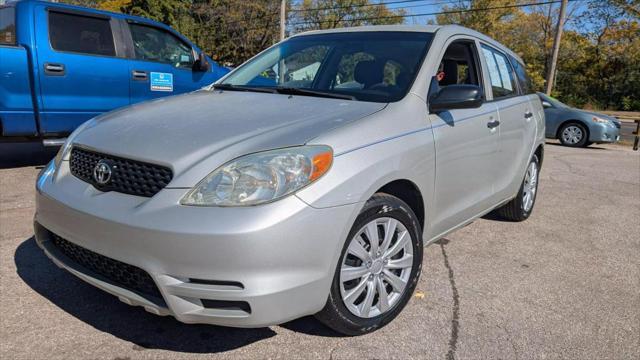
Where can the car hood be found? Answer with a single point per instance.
(204, 129)
(603, 116)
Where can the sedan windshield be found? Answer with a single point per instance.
(553, 101)
(366, 66)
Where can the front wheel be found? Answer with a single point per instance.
(520, 208)
(378, 269)
(574, 134)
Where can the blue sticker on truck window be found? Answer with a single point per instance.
(161, 81)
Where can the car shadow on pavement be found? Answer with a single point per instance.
(590, 147)
(19, 154)
(106, 313)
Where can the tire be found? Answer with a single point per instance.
(353, 316)
(574, 134)
(519, 209)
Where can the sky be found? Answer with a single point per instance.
(415, 7)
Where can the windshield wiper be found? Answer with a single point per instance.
(244, 88)
(305, 92)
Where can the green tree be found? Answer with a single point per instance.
(329, 14)
(597, 64)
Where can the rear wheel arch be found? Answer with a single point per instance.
(540, 153)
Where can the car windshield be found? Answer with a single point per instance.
(366, 66)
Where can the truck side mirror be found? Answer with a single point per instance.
(546, 104)
(201, 64)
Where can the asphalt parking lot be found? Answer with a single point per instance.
(564, 284)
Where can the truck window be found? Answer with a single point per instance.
(153, 44)
(80, 34)
(7, 26)
(503, 82)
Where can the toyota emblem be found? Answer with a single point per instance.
(102, 172)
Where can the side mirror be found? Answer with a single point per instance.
(451, 97)
(546, 104)
(201, 63)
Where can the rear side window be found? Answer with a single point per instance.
(7, 26)
(153, 44)
(503, 82)
(80, 34)
(523, 78)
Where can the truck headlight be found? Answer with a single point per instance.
(261, 177)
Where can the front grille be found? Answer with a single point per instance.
(123, 275)
(127, 176)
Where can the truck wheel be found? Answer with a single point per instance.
(574, 134)
(521, 206)
(378, 269)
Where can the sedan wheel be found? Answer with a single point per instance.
(574, 135)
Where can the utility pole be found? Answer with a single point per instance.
(551, 74)
(283, 18)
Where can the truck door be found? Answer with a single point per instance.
(82, 70)
(16, 107)
(162, 63)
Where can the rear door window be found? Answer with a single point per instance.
(523, 78)
(503, 83)
(153, 44)
(7, 26)
(81, 34)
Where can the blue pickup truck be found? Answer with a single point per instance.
(61, 65)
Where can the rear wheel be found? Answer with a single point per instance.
(378, 269)
(574, 134)
(521, 206)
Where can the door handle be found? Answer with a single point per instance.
(52, 69)
(493, 124)
(139, 75)
(528, 115)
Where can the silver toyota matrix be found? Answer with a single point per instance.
(306, 181)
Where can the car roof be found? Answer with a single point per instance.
(445, 30)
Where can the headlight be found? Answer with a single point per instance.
(601, 120)
(63, 153)
(261, 177)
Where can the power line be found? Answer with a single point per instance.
(431, 13)
(356, 6)
(270, 14)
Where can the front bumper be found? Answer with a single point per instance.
(278, 258)
(601, 133)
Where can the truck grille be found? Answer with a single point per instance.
(127, 176)
(123, 275)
